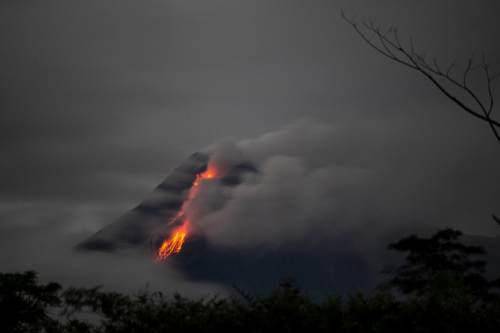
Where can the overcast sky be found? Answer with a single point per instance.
(100, 99)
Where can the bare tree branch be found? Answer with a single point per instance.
(389, 45)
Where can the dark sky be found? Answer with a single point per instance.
(100, 99)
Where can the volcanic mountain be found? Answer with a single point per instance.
(140, 226)
(160, 225)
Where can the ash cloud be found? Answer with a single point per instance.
(320, 179)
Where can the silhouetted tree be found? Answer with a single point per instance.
(440, 267)
(25, 304)
(442, 283)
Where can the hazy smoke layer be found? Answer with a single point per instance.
(315, 179)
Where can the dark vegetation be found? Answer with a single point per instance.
(440, 287)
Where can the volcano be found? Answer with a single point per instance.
(150, 225)
(141, 226)
(157, 216)
(160, 227)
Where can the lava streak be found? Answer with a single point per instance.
(209, 173)
(174, 243)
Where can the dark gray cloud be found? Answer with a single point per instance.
(326, 179)
(100, 99)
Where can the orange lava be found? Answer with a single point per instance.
(210, 173)
(174, 243)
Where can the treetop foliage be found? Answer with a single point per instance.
(440, 287)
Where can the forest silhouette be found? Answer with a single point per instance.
(440, 286)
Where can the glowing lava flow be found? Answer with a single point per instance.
(173, 244)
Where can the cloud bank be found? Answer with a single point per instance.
(321, 179)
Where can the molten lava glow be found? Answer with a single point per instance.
(210, 173)
(174, 243)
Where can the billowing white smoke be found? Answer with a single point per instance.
(316, 180)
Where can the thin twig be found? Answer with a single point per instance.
(389, 45)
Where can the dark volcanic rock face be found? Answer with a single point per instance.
(146, 224)
(138, 227)
(316, 267)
